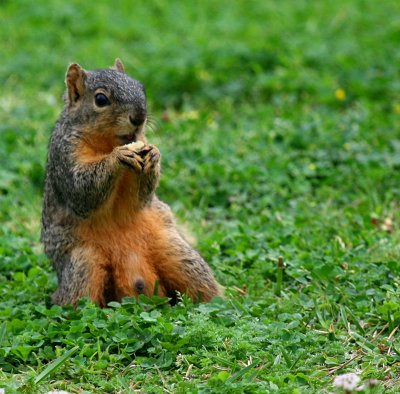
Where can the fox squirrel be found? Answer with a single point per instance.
(103, 227)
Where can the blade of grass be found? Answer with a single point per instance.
(364, 343)
(295, 361)
(344, 318)
(240, 373)
(279, 276)
(286, 358)
(3, 333)
(319, 315)
(224, 361)
(355, 319)
(55, 365)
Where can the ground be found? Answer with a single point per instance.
(278, 124)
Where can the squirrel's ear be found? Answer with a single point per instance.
(75, 81)
(119, 66)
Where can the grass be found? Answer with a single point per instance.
(279, 128)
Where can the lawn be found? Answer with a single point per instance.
(279, 128)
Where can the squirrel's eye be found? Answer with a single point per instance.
(101, 100)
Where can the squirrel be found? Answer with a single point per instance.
(104, 229)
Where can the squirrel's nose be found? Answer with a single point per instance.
(138, 119)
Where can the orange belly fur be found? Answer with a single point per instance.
(122, 243)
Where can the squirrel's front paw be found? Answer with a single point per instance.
(130, 155)
(151, 158)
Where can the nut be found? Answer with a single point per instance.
(135, 145)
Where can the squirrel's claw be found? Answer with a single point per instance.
(130, 158)
(151, 159)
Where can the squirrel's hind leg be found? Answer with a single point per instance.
(72, 281)
(178, 265)
(181, 268)
(83, 273)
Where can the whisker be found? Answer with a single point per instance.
(151, 128)
(152, 118)
(152, 122)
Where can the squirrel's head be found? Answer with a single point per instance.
(106, 102)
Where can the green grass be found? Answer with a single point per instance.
(279, 128)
